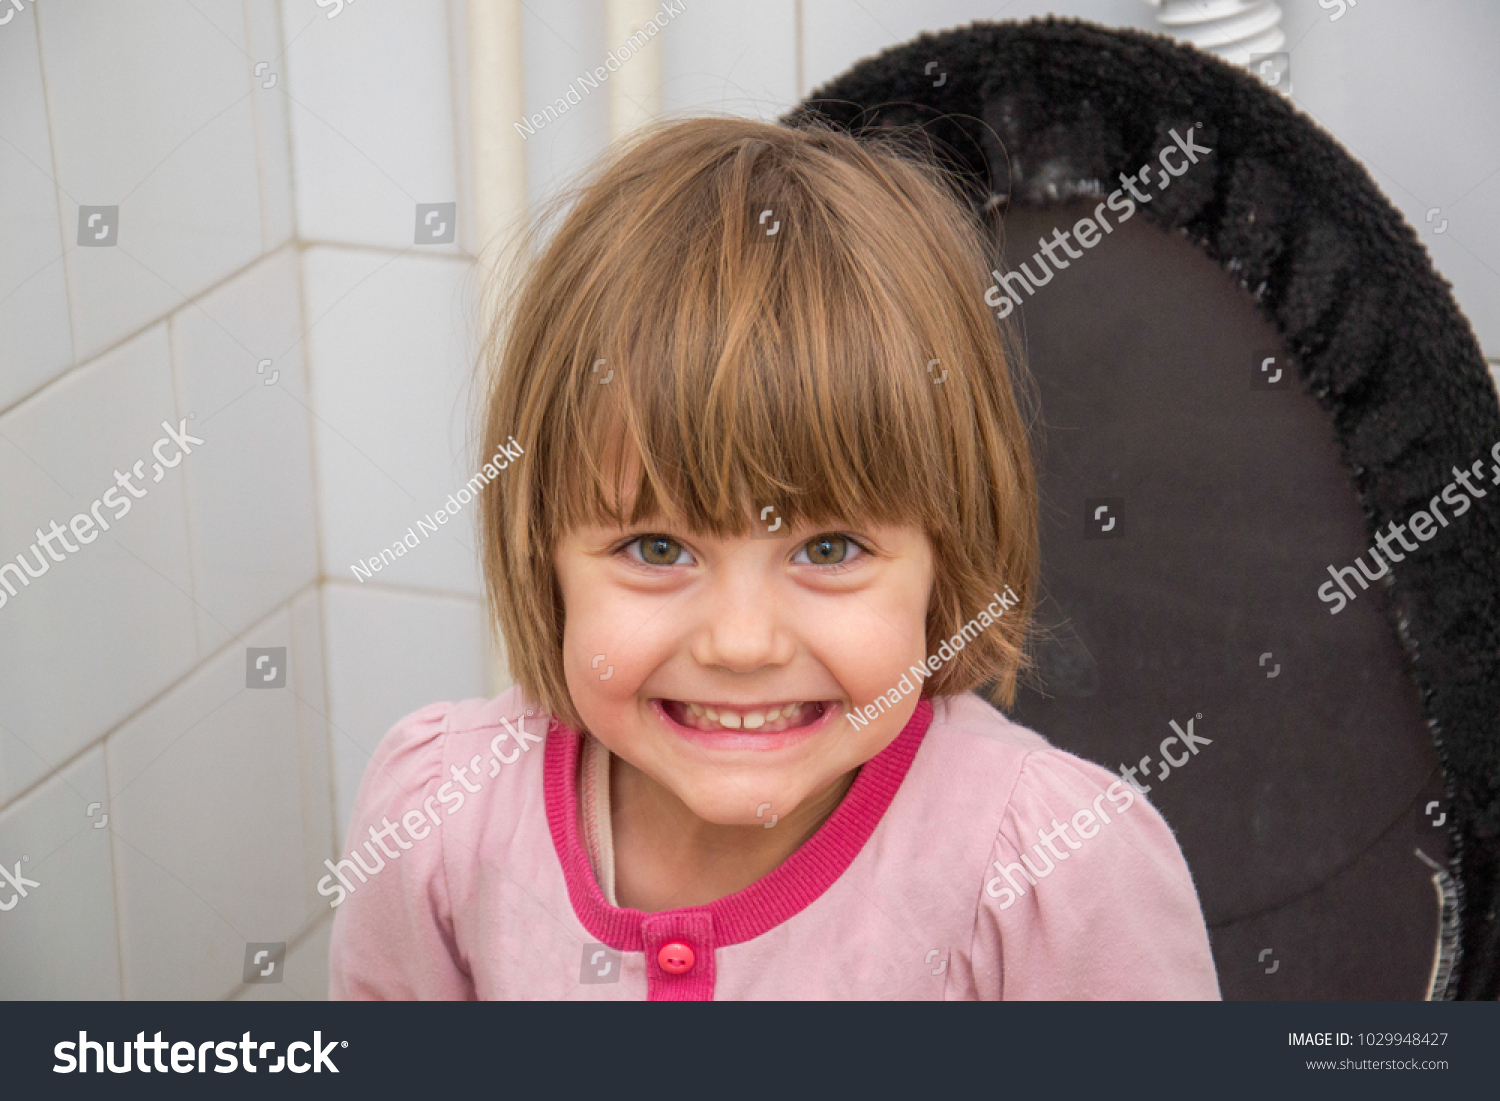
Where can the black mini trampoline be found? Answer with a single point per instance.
(1241, 385)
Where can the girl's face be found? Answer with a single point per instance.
(725, 668)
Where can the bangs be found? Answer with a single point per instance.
(713, 368)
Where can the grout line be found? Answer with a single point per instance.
(258, 127)
(134, 334)
(299, 244)
(114, 881)
(402, 590)
(235, 640)
(278, 31)
(327, 722)
(439, 251)
(57, 199)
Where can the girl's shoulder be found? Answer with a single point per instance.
(1049, 841)
(1001, 777)
(480, 738)
(970, 739)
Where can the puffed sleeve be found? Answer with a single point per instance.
(393, 931)
(1087, 895)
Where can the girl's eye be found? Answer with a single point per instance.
(658, 550)
(829, 550)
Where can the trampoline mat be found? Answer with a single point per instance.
(1301, 813)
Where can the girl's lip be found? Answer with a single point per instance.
(739, 739)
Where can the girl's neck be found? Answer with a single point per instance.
(666, 857)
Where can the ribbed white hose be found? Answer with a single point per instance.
(1233, 29)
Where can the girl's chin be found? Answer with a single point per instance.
(691, 723)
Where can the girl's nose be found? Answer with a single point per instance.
(742, 625)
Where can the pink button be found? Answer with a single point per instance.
(675, 958)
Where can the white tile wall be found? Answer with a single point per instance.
(371, 119)
(111, 625)
(172, 143)
(732, 58)
(250, 492)
(127, 657)
(391, 353)
(59, 941)
(390, 653)
(214, 842)
(38, 344)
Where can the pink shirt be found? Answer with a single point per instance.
(929, 881)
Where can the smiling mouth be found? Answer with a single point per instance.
(753, 719)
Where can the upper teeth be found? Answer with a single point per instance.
(751, 720)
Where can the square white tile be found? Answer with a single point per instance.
(110, 625)
(371, 107)
(150, 108)
(390, 356)
(211, 832)
(251, 511)
(60, 940)
(389, 654)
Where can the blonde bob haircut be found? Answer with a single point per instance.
(792, 318)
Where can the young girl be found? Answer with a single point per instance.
(770, 519)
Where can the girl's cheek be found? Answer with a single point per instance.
(606, 655)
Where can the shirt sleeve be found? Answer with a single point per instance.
(1087, 895)
(393, 930)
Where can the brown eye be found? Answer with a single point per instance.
(827, 550)
(658, 550)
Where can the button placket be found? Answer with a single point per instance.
(679, 955)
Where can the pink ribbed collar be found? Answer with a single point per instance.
(767, 902)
